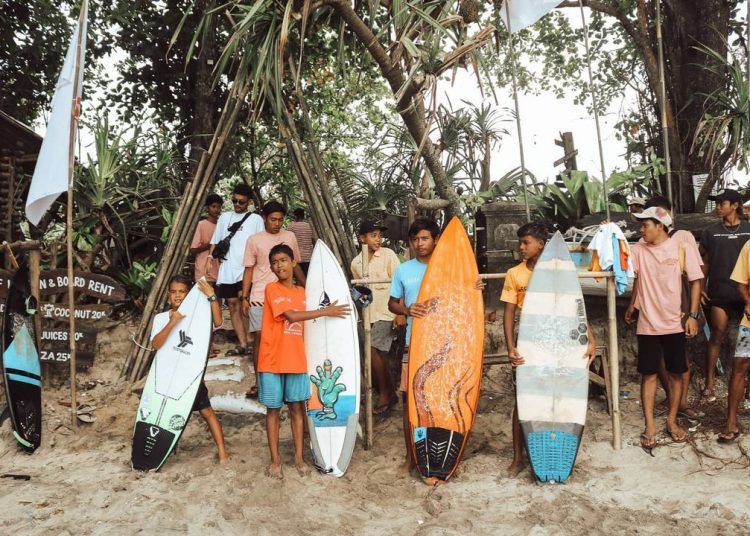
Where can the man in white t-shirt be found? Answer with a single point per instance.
(231, 269)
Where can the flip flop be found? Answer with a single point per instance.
(726, 439)
(675, 437)
(648, 443)
(384, 409)
(239, 350)
(697, 415)
(708, 395)
(252, 392)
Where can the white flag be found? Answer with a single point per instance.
(51, 172)
(524, 13)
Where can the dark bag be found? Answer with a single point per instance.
(222, 247)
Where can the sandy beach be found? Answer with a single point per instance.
(81, 481)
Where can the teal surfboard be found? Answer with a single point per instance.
(552, 384)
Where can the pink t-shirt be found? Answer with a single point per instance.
(202, 237)
(257, 249)
(659, 281)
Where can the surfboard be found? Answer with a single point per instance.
(21, 368)
(445, 356)
(552, 384)
(332, 350)
(172, 384)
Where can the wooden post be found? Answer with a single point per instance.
(614, 362)
(35, 261)
(368, 354)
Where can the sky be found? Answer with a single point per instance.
(543, 117)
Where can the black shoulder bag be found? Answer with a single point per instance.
(222, 247)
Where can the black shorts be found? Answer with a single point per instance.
(731, 308)
(202, 401)
(229, 290)
(651, 348)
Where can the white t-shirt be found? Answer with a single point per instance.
(160, 321)
(232, 269)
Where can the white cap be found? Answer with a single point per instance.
(655, 213)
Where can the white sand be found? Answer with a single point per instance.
(81, 482)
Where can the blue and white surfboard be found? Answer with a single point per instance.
(552, 384)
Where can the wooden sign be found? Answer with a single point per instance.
(5, 277)
(63, 356)
(90, 284)
(61, 311)
(60, 336)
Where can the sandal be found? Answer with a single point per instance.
(239, 350)
(691, 414)
(384, 409)
(725, 438)
(252, 392)
(676, 438)
(648, 443)
(708, 394)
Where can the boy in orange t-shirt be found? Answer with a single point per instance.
(282, 364)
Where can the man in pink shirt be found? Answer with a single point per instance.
(258, 269)
(202, 239)
(658, 264)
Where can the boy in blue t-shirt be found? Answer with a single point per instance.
(423, 235)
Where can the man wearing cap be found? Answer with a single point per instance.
(381, 264)
(720, 247)
(658, 265)
(637, 205)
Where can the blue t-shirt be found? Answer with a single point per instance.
(405, 284)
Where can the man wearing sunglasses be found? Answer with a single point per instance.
(229, 280)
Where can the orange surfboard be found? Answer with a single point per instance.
(445, 356)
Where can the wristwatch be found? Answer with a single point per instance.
(693, 315)
(212, 298)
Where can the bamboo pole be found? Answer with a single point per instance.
(662, 104)
(185, 221)
(35, 261)
(69, 224)
(368, 354)
(614, 363)
(595, 105)
(512, 55)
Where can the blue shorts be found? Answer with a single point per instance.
(275, 389)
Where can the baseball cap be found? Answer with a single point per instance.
(656, 213)
(733, 196)
(368, 226)
(637, 201)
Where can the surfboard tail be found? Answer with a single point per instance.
(437, 451)
(552, 448)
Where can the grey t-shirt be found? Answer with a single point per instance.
(721, 245)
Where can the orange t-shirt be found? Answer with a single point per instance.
(282, 347)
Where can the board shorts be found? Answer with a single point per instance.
(228, 290)
(276, 389)
(256, 316)
(202, 401)
(742, 348)
(731, 308)
(382, 335)
(404, 383)
(651, 348)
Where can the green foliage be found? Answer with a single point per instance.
(138, 281)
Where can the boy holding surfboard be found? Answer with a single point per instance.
(423, 236)
(282, 363)
(531, 241)
(179, 286)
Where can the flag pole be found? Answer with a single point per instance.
(512, 55)
(596, 108)
(71, 165)
(663, 106)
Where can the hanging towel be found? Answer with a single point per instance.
(610, 251)
(621, 273)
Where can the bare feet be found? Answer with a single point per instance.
(302, 468)
(407, 466)
(274, 471)
(514, 468)
(223, 457)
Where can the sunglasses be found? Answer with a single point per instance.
(239, 202)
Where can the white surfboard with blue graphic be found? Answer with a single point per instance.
(552, 384)
(332, 350)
